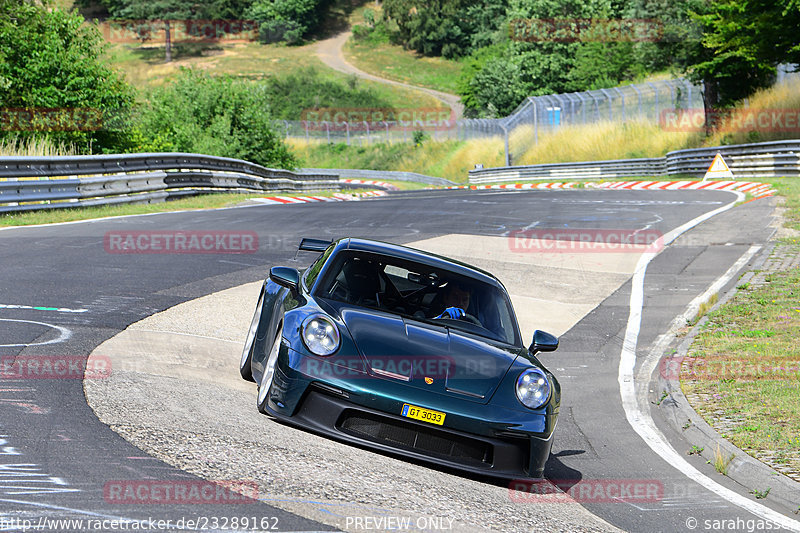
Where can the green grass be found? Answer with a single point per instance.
(721, 461)
(393, 62)
(401, 185)
(144, 67)
(789, 189)
(206, 201)
(209, 201)
(374, 54)
(746, 359)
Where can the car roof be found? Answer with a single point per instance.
(419, 256)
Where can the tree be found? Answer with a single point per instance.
(744, 42)
(53, 80)
(158, 11)
(448, 28)
(536, 59)
(287, 20)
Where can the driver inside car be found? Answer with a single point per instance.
(455, 301)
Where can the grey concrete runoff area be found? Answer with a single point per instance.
(198, 343)
(219, 434)
(172, 327)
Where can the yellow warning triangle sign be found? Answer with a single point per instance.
(718, 169)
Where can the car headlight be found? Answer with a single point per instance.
(533, 388)
(320, 335)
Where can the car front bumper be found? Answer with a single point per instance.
(494, 442)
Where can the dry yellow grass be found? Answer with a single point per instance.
(447, 159)
(35, 147)
(783, 96)
(594, 142)
(487, 152)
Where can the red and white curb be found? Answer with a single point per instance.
(759, 190)
(338, 197)
(756, 189)
(381, 184)
(570, 185)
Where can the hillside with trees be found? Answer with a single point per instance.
(56, 79)
(518, 48)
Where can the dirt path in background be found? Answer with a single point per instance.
(329, 52)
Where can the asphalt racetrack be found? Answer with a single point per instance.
(167, 412)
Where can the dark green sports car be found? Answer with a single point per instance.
(406, 352)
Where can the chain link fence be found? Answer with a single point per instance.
(537, 114)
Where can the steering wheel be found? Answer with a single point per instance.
(465, 317)
(472, 319)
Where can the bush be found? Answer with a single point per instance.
(287, 20)
(217, 116)
(494, 88)
(292, 95)
(49, 60)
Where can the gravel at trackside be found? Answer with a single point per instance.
(178, 396)
(217, 433)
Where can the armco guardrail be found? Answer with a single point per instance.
(758, 160)
(31, 183)
(382, 175)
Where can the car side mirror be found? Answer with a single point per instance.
(543, 342)
(285, 277)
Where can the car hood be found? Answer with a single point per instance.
(428, 356)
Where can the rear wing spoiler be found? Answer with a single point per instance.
(314, 245)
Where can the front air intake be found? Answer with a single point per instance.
(429, 441)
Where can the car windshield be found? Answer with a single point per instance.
(421, 292)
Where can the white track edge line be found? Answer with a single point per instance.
(641, 421)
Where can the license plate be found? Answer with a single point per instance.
(425, 415)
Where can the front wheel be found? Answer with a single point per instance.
(247, 353)
(269, 373)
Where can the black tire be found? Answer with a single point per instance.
(245, 368)
(269, 372)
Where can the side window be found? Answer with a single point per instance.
(313, 270)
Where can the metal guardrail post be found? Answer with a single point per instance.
(622, 97)
(639, 94)
(505, 139)
(655, 92)
(672, 95)
(610, 112)
(583, 107)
